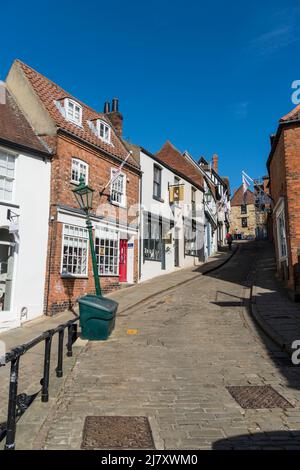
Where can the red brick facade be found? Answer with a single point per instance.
(284, 170)
(95, 139)
(61, 293)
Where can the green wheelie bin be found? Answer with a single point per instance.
(97, 316)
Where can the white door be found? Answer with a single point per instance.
(8, 317)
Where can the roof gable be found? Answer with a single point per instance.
(238, 198)
(292, 115)
(179, 163)
(15, 129)
(51, 94)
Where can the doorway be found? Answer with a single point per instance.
(176, 248)
(123, 261)
(6, 268)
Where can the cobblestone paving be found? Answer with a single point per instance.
(191, 343)
(280, 315)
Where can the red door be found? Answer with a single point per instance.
(123, 261)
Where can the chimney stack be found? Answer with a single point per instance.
(215, 162)
(116, 117)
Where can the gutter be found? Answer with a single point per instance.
(16, 146)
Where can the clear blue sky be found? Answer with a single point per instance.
(209, 76)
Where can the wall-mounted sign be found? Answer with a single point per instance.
(176, 193)
(168, 239)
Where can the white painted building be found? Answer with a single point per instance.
(220, 189)
(24, 211)
(171, 231)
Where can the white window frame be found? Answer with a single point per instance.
(107, 126)
(84, 237)
(79, 162)
(123, 201)
(72, 118)
(281, 215)
(13, 179)
(108, 235)
(190, 238)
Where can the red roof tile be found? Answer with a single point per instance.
(238, 197)
(292, 115)
(49, 92)
(14, 127)
(173, 158)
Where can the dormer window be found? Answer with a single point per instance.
(73, 111)
(103, 130)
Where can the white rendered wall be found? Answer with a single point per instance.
(31, 198)
(33, 194)
(151, 269)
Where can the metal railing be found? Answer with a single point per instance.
(18, 404)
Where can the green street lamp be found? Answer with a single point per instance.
(84, 197)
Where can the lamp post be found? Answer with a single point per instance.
(84, 197)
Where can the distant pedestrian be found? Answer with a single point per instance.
(229, 240)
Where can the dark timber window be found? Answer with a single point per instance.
(244, 209)
(244, 222)
(152, 238)
(157, 182)
(193, 202)
(190, 238)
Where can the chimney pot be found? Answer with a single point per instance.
(215, 162)
(116, 117)
(106, 107)
(115, 105)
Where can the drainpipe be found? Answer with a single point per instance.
(140, 238)
(51, 225)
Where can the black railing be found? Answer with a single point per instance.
(18, 404)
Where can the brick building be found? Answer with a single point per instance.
(84, 143)
(284, 171)
(242, 214)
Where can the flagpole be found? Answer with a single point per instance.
(117, 172)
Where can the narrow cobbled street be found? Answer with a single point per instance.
(191, 343)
